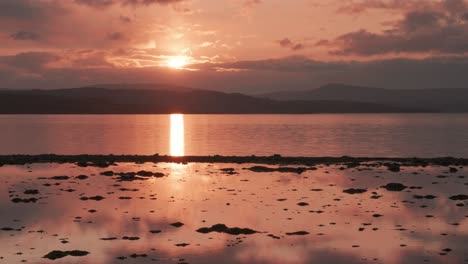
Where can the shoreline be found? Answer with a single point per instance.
(106, 160)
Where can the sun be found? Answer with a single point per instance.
(177, 62)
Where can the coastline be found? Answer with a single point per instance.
(106, 160)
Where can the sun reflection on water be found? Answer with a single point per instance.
(177, 144)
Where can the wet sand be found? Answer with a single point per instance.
(144, 209)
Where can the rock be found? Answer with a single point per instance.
(130, 238)
(355, 191)
(429, 197)
(32, 192)
(81, 177)
(459, 197)
(297, 170)
(59, 178)
(108, 238)
(95, 198)
(222, 228)
(138, 255)
(182, 245)
(27, 200)
(107, 173)
(298, 233)
(394, 167)
(177, 224)
(394, 187)
(57, 254)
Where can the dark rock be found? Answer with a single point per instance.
(26, 200)
(107, 173)
(81, 177)
(394, 187)
(229, 171)
(297, 170)
(138, 256)
(57, 254)
(298, 233)
(130, 238)
(32, 192)
(221, 228)
(394, 167)
(95, 198)
(459, 197)
(177, 224)
(429, 197)
(108, 238)
(355, 191)
(59, 178)
(182, 245)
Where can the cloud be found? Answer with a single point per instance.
(108, 3)
(87, 67)
(29, 61)
(287, 43)
(25, 35)
(125, 19)
(30, 9)
(439, 28)
(250, 3)
(116, 36)
(355, 7)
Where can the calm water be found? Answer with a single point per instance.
(300, 218)
(422, 135)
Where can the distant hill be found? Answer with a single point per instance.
(440, 100)
(153, 99)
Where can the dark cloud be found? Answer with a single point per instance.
(107, 3)
(30, 9)
(125, 19)
(50, 70)
(438, 29)
(96, 3)
(116, 36)
(354, 7)
(300, 72)
(29, 61)
(287, 43)
(418, 20)
(25, 35)
(250, 3)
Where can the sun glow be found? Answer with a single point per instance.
(177, 62)
(177, 143)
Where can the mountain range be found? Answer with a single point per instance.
(437, 100)
(163, 99)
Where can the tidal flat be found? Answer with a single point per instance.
(222, 210)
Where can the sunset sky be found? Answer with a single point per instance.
(234, 45)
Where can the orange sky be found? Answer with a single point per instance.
(47, 41)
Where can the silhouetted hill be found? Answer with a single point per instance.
(441, 100)
(107, 99)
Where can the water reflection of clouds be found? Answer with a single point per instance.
(196, 194)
